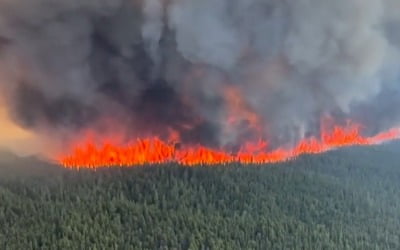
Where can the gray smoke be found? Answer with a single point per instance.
(148, 65)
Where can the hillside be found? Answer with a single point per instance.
(347, 199)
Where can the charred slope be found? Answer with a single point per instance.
(347, 199)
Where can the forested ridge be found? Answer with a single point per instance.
(347, 199)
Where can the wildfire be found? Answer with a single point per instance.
(88, 154)
(240, 111)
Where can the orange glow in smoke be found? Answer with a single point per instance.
(240, 111)
(87, 154)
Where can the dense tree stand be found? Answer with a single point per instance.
(347, 199)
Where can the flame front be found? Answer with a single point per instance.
(87, 154)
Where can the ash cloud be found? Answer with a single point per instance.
(157, 64)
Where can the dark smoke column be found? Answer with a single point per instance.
(148, 67)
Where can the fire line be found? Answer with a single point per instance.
(87, 154)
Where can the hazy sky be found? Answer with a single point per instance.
(14, 138)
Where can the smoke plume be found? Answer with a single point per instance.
(216, 71)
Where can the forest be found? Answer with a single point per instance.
(345, 199)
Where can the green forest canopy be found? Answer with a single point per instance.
(347, 199)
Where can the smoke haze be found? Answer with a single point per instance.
(148, 67)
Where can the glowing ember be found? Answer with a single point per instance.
(156, 151)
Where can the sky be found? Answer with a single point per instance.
(15, 138)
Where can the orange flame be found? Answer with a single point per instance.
(156, 151)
